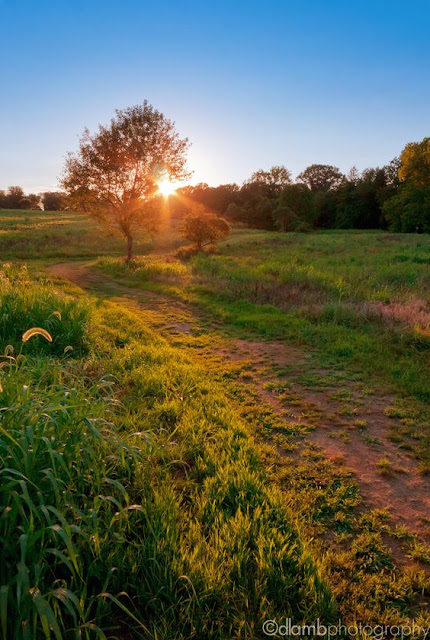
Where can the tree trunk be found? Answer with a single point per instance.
(129, 249)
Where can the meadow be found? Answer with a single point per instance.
(62, 234)
(185, 458)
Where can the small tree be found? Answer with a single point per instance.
(113, 176)
(202, 227)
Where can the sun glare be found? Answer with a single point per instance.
(166, 187)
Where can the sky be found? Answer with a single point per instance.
(251, 84)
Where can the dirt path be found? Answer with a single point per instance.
(349, 424)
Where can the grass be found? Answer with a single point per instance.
(133, 497)
(44, 235)
(359, 300)
(147, 491)
(25, 304)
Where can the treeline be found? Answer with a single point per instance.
(15, 198)
(395, 196)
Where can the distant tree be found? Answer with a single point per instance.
(32, 201)
(272, 181)
(409, 210)
(2, 199)
(391, 171)
(235, 212)
(353, 175)
(113, 176)
(215, 198)
(321, 177)
(296, 208)
(202, 227)
(255, 212)
(218, 198)
(325, 208)
(14, 197)
(53, 200)
(415, 163)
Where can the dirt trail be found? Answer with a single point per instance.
(350, 426)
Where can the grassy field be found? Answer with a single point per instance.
(62, 234)
(205, 446)
(359, 300)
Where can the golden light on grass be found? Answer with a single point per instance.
(36, 331)
(166, 187)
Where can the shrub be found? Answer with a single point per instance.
(202, 228)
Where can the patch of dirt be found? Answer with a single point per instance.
(353, 429)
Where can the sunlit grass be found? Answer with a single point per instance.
(153, 512)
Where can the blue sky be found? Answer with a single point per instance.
(252, 84)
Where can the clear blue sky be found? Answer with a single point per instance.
(252, 84)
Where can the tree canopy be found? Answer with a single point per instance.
(321, 177)
(273, 180)
(203, 227)
(113, 176)
(415, 163)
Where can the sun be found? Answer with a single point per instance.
(166, 187)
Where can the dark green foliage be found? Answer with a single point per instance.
(295, 209)
(409, 210)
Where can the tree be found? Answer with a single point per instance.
(272, 181)
(296, 208)
(408, 210)
(415, 163)
(32, 202)
(53, 200)
(202, 227)
(214, 198)
(113, 176)
(353, 175)
(14, 197)
(391, 171)
(321, 177)
(256, 212)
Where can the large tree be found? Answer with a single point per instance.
(113, 176)
(321, 177)
(415, 163)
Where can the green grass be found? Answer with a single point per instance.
(360, 301)
(26, 304)
(133, 497)
(42, 235)
(142, 493)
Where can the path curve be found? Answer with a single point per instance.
(404, 492)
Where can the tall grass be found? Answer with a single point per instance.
(25, 304)
(132, 497)
(144, 269)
